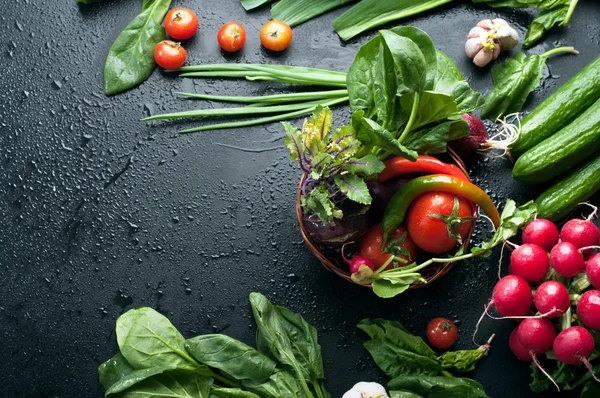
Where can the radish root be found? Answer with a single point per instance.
(533, 357)
(485, 312)
(551, 312)
(586, 363)
(506, 135)
(594, 210)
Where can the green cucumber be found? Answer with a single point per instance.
(567, 148)
(562, 107)
(562, 198)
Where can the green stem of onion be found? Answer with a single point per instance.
(277, 98)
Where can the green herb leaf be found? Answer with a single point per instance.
(411, 65)
(404, 394)
(134, 378)
(281, 384)
(513, 81)
(317, 202)
(354, 188)
(130, 60)
(512, 219)
(173, 384)
(543, 22)
(295, 12)
(432, 107)
(367, 165)
(462, 360)
(449, 81)
(434, 140)
(438, 386)
(147, 339)
(231, 356)
(219, 392)
(113, 370)
(252, 4)
(293, 141)
(425, 45)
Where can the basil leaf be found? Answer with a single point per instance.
(252, 4)
(218, 392)
(130, 60)
(371, 133)
(372, 81)
(513, 81)
(231, 356)
(432, 107)
(461, 360)
(354, 187)
(542, 23)
(133, 378)
(434, 140)
(411, 66)
(449, 81)
(113, 370)
(512, 219)
(438, 386)
(147, 339)
(173, 384)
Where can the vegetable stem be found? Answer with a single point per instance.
(572, 6)
(559, 50)
(310, 95)
(411, 119)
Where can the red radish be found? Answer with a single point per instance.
(468, 147)
(530, 262)
(573, 346)
(566, 259)
(588, 309)
(541, 232)
(592, 269)
(357, 261)
(511, 296)
(551, 298)
(537, 335)
(581, 233)
(517, 348)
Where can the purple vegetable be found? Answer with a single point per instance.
(468, 147)
(356, 221)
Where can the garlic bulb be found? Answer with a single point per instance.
(488, 38)
(364, 389)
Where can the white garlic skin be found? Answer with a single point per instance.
(365, 389)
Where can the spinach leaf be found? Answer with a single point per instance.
(542, 23)
(231, 356)
(372, 134)
(462, 360)
(113, 370)
(438, 386)
(252, 4)
(513, 81)
(218, 392)
(130, 60)
(147, 339)
(432, 107)
(396, 351)
(449, 81)
(434, 140)
(133, 378)
(173, 384)
(387, 285)
(411, 65)
(423, 41)
(372, 81)
(281, 384)
(404, 394)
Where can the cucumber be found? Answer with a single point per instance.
(567, 148)
(562, 107)
(562, 198)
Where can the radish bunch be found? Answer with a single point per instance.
(558, 273)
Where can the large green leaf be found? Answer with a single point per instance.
(449, 81)
(218, 392)
(231, 356)
(434, 140)
(543, 22)
(171, 384)
(425, 44)
(133, 378)
(113, 370)
(281, 384)
(411, 65)
(432, 107)
(130, 59)
(295, 12)
(438, 386)
(252, 4)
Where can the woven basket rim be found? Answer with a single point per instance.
(434, 272)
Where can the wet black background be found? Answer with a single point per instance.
(101, 213)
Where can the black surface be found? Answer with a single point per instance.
(102, 213)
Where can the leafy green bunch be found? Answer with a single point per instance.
(155, 360)
(334, 168)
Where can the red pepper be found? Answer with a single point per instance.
(424, 164)
(397, 207)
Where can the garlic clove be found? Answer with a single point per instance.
(507, 37)
(483, 57)
(477, 31)
(499, 22)
(486, 24)
(473, 46)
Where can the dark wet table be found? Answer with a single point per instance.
(102, 213)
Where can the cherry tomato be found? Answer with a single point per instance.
(370, 246)
(181, 23)
(169, 54)
(231, 36)
(441, 333)
(276, 35)
(430, 232)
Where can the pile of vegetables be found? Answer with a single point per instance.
(562, 274)
(368, 14)
(155, 359)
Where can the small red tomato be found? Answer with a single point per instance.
(441, 333)
(276, 35)
(231, 36)
(181, 23)
(169, 54)
(370, 246)
(436, 219)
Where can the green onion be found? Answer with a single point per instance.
(270, 119)
(295, 12)
(368, 14)
(276, 98)
(252, 4)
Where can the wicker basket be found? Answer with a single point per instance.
(332, 260)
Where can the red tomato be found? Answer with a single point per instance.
(441, 333)
(276, 35)
(370, 246)
(231, 36)
(181, 23)
(169, 54)
(430, 233)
